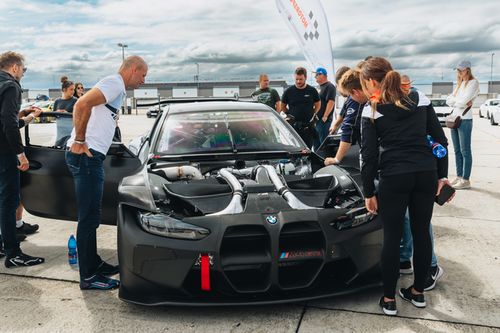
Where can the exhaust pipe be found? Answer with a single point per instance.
(290, 198)
(235, 206)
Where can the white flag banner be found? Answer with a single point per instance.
(308, 23)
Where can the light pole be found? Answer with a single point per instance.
(491, 67)
(197, 75)
(490, 85)
(123, 46)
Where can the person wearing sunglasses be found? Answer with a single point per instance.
(12, 158)
(79, 90)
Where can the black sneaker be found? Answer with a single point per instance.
(27, 229)
(20, 237)
(405, 267)
(417, 300)
(99, 282)
(389, 308)
(107, 269)
(21, 260)
(435, 274)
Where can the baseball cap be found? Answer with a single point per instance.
(320, 70)
(463, 65)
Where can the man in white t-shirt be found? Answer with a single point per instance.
(94, 120)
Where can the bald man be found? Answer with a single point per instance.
(94, 119)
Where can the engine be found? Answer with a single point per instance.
(232, 187)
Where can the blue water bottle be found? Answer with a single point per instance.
(72, 254)
(437, 149)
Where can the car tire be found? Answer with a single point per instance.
(148, 115)
(488, 114)
(492, 121)
(480, 114)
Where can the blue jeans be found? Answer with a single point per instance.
(322, 130)
(406, 246)
(461, 138)
(88, 174)
(9, 200)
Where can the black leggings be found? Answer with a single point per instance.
(415, 191)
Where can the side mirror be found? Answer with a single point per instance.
(136, 144)
(118, 149)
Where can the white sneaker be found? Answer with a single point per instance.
(462, 185)
(455, 181)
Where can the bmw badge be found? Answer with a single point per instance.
(271, 219)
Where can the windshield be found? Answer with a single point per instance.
(228, 131)
(438, 102)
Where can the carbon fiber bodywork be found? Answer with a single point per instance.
(303, 255)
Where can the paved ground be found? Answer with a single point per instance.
(46, 298)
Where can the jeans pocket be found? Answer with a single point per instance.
(73, 162)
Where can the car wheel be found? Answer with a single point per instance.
(480, 114)
(492, 121)
(488, 114)
(148, 115)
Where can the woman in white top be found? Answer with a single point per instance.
(462, 98)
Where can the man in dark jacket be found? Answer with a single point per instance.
(12, 158)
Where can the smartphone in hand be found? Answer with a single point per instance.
(445, 194)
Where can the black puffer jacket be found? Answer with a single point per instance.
(10, 103)
(394, 140)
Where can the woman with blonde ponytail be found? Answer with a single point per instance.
(394, 129)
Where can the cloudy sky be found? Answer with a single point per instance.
(240, 39)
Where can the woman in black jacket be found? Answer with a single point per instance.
(394, 131)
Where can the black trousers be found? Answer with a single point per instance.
(415, 191)
(307, 133)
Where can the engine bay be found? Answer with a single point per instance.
(187, 189)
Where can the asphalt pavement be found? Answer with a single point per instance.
(46, 298)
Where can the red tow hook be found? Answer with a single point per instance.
(205, 272)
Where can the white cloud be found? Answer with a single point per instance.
(241, 39)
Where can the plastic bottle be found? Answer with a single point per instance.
(72, 254)
(437, 149)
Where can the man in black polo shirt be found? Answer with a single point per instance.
(303, 103)
(325, 114)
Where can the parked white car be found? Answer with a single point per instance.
(494, 114)
(484, 109)
(441, 108)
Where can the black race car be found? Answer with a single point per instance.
(222, 203)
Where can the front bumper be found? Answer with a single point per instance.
(301, 257)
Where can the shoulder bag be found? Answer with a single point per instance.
(454, 122)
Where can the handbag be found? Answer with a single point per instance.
(454, 122)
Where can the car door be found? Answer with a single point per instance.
(47, 188)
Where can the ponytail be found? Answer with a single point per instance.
(390, 89)
(380, 70)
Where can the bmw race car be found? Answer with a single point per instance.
(222, 203)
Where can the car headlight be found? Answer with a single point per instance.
(167, 226)
(353, 218)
